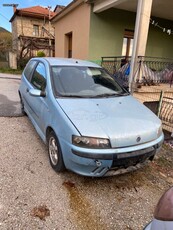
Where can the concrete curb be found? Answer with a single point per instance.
(10, 76)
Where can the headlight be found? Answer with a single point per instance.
(91, 142)
(159, 132)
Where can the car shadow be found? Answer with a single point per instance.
(9, 108)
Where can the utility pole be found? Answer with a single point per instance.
(49, 7)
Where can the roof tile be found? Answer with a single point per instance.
(37, 10)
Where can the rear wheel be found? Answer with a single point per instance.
(55, 154)
(22, 105)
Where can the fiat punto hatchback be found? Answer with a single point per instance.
(92, 125)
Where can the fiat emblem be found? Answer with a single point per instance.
(138, 139)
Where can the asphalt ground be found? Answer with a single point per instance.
(9, 98)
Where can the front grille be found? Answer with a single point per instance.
(133, 158)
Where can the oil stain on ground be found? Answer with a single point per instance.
(82, 210)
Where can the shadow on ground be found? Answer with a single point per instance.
(9, 108)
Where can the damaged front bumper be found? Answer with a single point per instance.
(99, 162)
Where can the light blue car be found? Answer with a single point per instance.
(92, 126)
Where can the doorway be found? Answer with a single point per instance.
(69, 39)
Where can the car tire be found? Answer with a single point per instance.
(55, 153)
(22, 106)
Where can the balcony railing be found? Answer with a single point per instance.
(148, 70)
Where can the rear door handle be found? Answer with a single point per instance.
(27, 90)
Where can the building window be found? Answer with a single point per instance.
(128, 43)
(35, 30)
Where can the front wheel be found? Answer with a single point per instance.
(55, 154)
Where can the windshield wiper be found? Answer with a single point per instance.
(72, 95)
(123, 94)
(94, 96)
(111, 94)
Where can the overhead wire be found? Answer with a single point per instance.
(164, 29)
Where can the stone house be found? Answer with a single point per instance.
(32, 32)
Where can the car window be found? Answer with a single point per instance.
(83, 82)
(29, 68)
(39, 77)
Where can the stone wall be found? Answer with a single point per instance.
(24, 26)
(12, 60)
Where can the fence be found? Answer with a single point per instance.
(166, 111)
(153, 83)
(149, 70)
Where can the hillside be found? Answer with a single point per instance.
(3, 30)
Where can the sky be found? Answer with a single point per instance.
(7, 12)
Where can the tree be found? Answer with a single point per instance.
(5, 43)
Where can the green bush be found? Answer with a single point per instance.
(40, 54)
(11, 71)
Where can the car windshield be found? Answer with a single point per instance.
(74, 81)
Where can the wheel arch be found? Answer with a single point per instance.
(19, 94)
(48, 130)
(59, 166)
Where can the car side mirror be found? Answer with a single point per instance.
(37, 93)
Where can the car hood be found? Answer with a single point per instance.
(123, 120)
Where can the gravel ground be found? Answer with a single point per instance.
(33, 196)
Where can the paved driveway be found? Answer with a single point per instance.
(9, 98)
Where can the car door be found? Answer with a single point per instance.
(38, 104)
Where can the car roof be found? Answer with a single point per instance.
(53, 61)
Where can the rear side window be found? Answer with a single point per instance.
(29, 69)
(39, 77)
